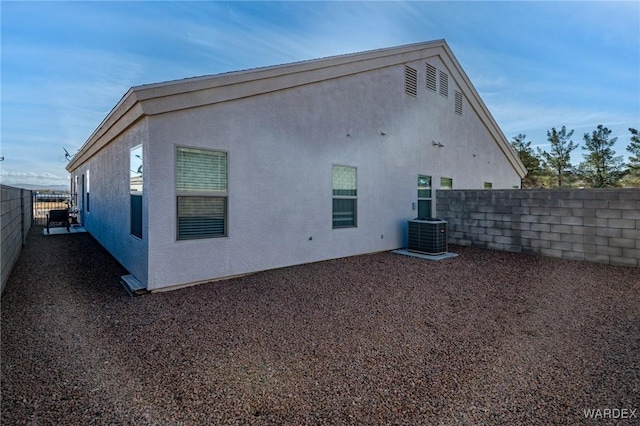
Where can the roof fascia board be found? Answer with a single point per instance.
(177, 95)
(206, 82)
(158, 98)
(119, 120)
(165, 98)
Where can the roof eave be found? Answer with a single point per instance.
(158, 98)
(169, 96)
(492, 125)
(126, 112)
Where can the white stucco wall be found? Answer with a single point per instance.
(281, 147)
(108, 219)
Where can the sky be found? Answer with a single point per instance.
(536, 65)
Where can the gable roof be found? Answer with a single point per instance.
(159, 98)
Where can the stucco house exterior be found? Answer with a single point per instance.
(209, 177)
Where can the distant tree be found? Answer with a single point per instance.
(634, 149)
(601, 168)
(558, 160)
(530, 160)
(630, 181)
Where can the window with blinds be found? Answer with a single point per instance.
(424, 196)
(201, 189)
(345, 192)
(201, 170)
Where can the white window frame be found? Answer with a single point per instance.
(135, 189)
(337, 197)
(88, 199)
(429, 199)
(202, 195)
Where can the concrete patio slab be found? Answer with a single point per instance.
(132, 286)
(74, 229)
(442, 256)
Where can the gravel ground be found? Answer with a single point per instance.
(484, 338)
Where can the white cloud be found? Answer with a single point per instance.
(30, 175)
(13, 177)
(536, 65)
(314, 30)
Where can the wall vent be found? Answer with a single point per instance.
(444, 84)
(458, 103)
(431, 77)
(410, 81)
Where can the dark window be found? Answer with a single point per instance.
(201, 217)
(88, 190)
(136, 215)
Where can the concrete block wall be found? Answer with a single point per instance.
(597, 225)
(15, 222)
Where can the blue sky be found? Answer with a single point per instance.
(536, 65)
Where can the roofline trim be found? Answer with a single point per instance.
(174, 88)
(159, 98)
(494, 129)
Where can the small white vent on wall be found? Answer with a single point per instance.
(410, 81)
(458, 103)
(444, 84)
(431, 77)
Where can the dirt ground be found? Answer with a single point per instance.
(485, 338)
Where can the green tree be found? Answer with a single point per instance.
(634, 149)
(601, 168)
(558, 160)
(530, 160)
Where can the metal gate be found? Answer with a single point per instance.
(45, 201)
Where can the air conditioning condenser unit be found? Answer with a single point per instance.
(428, 236)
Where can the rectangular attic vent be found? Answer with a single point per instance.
(444, 84)
(410, 81)
(458, 103)
(431, 77)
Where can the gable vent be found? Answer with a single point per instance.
(410, 81)
(444, 84)
(458, 103)
(431, 77)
